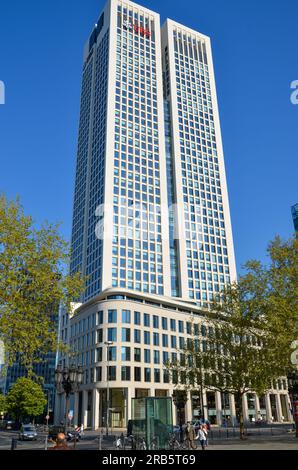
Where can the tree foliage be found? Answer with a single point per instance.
(32, 284)
(2, 404)
(25, 399)
(251, 327)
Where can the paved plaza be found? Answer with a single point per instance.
(284, 440)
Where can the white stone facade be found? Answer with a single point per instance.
(151, 329)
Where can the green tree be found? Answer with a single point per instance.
(2, 404)
(25, 399)
(33, 283)
(250, 330)
(275, 286)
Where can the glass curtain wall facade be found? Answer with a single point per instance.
(150, 162)
(119, 236)
(203, 219)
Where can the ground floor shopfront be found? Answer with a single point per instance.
(89, 407)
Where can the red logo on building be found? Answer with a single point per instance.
(137, 29)
(141, 30)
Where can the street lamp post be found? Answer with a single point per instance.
(293, 391)
(48, 408)
(108, 344)
(68, 381)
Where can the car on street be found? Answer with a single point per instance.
(9, 425)
(28, 433)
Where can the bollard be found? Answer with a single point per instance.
(46, 443)
(14, 443)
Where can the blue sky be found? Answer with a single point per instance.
(255, 46)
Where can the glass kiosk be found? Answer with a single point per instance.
(152, 420)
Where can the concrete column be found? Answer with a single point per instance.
(233, 409)
(84, 408)
(245, 408)
(268, 408)
(289, 408)
(174, 409)
(278, 408)
(219, 408)
(188, 408)
(129, 393)
(151, 392)
(95, 409)
(257, 407)
(76, 409)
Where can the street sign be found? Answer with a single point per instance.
(70, 415)
(47, 417)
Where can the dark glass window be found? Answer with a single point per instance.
(125, 316)
(137, 354)
(112, 316)
(125, 373)
(147, 372)
(126, 334)
(137, 374)
(146, 319)
(156, 375)
(137, 316)
(100, 318)
(112, 373)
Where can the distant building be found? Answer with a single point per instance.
(45, 369)
(295, 216)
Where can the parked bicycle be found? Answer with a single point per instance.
(154, 444)
(174, 444)
(141, 443)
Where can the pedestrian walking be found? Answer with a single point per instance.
(205, 431)
(118, 443)
(190, 436)
(202, 438)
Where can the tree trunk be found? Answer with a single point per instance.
(239, 413)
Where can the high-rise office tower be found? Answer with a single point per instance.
(202, 256)
(151, 223)
(121, 158)
(165, 217)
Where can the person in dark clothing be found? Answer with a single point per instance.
(129, 428)
(190, 436)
